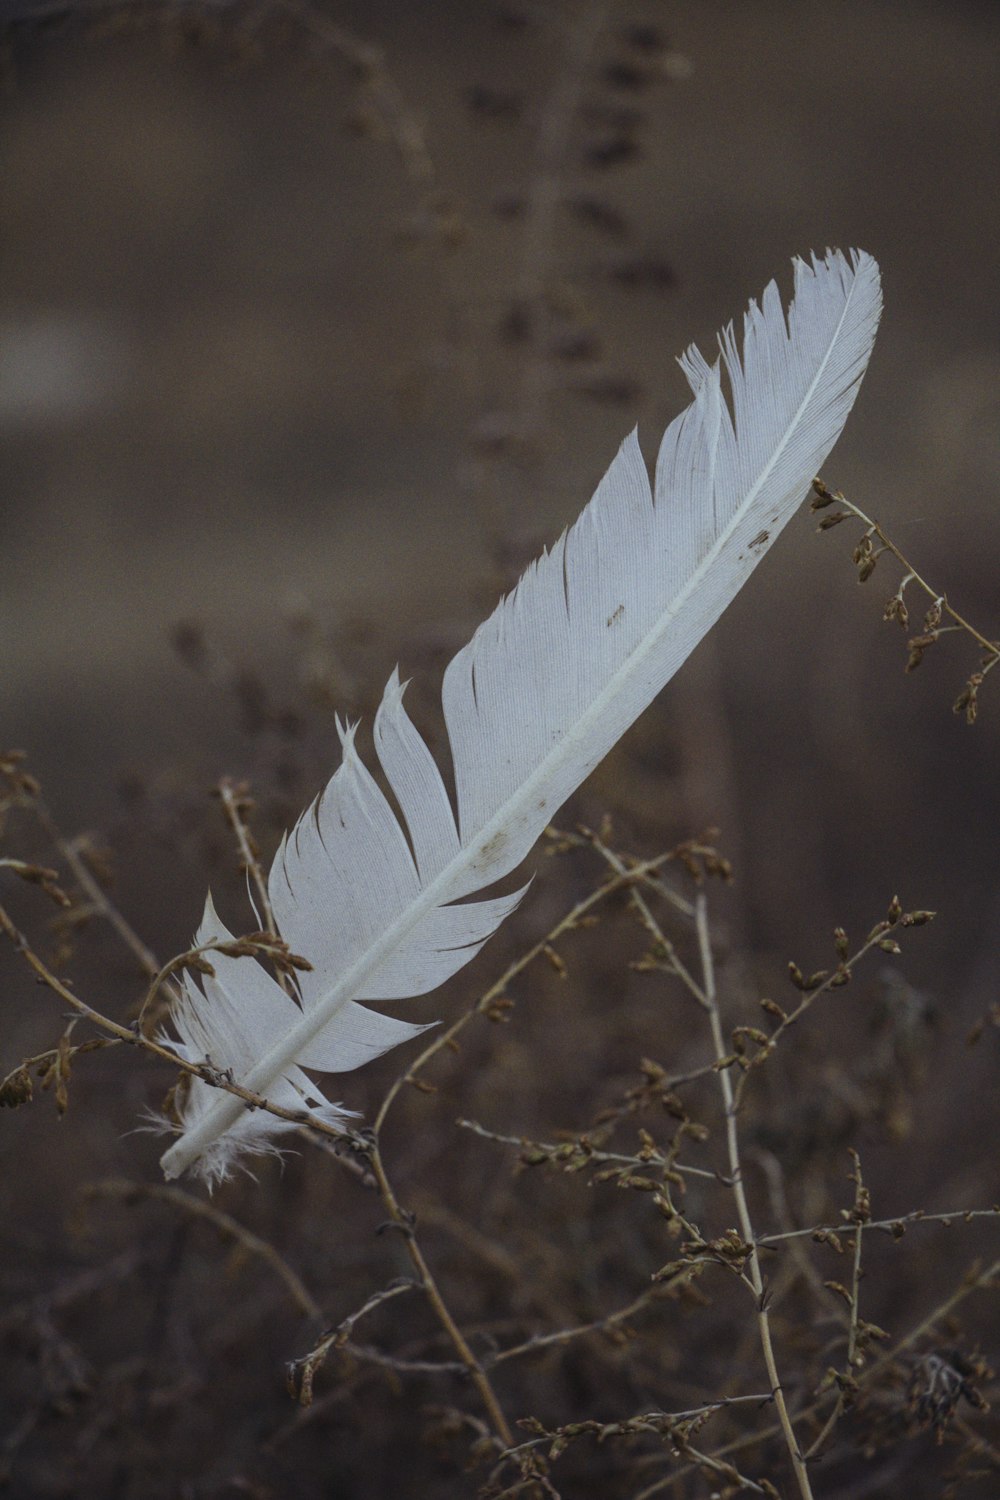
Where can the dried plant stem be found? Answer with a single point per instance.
(134, 1038)
(860, 1215)
(445, 1038)
(666, 953)
(70, 852)
(674, 1426)
(131, 1192)
(302, 1372)
(235, 806)
(616, 1158)
(992, 648)
(888, 1226)
(739, 1194)
(477, 1374)
(147, 1014)
(398, 1215)
(834, 980)
(977, 1278)
(565, 1335)
(401, 123)
(546, 189)
(866, 556)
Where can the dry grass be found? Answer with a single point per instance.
(654, 1212)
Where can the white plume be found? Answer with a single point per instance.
(537, 698)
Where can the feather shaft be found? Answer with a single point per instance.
(545, 688)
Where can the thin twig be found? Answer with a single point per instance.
(665, 952)
(475, 1370)
(676, 1427)
(973, 1282)
(302, 1372)
(565, 1335)
(70, 851)
(890, 1226)
(992, 648)
(866, 556)
(592, 1154)
(205, 1071)
(739, 1194)
(552, 142)
(860, 1214)
(444, 1038)
(131, 1192)
(235, 804)
(402, 124)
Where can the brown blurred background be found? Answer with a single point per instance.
(299, 363)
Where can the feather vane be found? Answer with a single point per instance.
(545, 688)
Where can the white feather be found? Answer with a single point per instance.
(538, 697)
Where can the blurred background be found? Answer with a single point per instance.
(316, 321)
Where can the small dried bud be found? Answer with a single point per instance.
(671, 1269)
(917, 918)
(895, 910)
(862, 1210)
(673, 1107)
(752, 1034)
(21, 781)
(796, 975)
(932, 619)
(833, 519)
(992, 1018)
(889, 945)
(872, 1331)
(840, 942)
(895, 609)
(918, 644)
(867, 567)
(968, 699)
(16, 1089)
(640, 1184)
(555, 961)
(719, 866)
(41, 876)
(821, 494)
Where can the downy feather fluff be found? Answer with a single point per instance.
(538, 697)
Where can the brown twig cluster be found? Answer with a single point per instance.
(680, 1285)
(939, 618)
(674, 1173)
